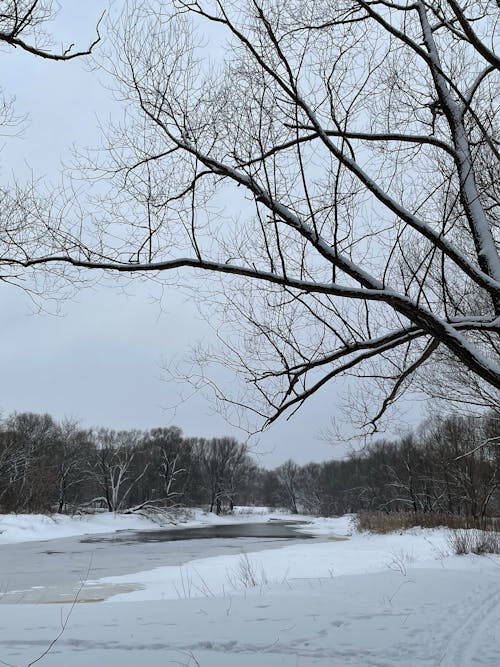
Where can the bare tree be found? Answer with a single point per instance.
(288, 477)
(112, 468)
(170, 462)
(22, 24)
(31, 448)
(28, 220)
(337, 163)
(75, 451)
(222, 462)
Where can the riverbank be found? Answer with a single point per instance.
(16, 528)
(366, 601)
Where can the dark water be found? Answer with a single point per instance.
(272, 530)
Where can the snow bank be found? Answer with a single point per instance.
(434, 618)
(222, 575)
(29, 527)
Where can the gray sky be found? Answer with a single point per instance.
(101, 361)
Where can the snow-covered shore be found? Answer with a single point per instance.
(28, 527)
(396, 600)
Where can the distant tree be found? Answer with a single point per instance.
(75, 451)
(466, 459)
(310, 494)
(248, 484)
(10, 458)
(271, 496)
(32, 446)
(288, 480)
(112, 468)
(171, 463)
(222, 462)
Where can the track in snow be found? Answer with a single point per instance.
(463, 645)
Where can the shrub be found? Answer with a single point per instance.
(474, 541)
(246, 574)
(388, 522)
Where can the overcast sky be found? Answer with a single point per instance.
(101, 360)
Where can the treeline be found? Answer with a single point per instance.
(450, 465)
(49, 466)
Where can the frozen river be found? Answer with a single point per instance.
(55, 570)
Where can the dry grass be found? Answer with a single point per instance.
(389, 522)
(246, 574)
(474, 542)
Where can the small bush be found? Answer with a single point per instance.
(246, 574)
(400, 561)
(474, 542)
(389, 522)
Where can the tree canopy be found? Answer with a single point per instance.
(335, 163)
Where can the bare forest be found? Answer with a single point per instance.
(449, 467)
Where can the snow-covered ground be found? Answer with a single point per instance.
(28, 527)
(398, 600)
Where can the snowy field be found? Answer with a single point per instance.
(368, 600)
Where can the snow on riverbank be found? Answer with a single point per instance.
(28, 527)
(359, 554)
(396, 600)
